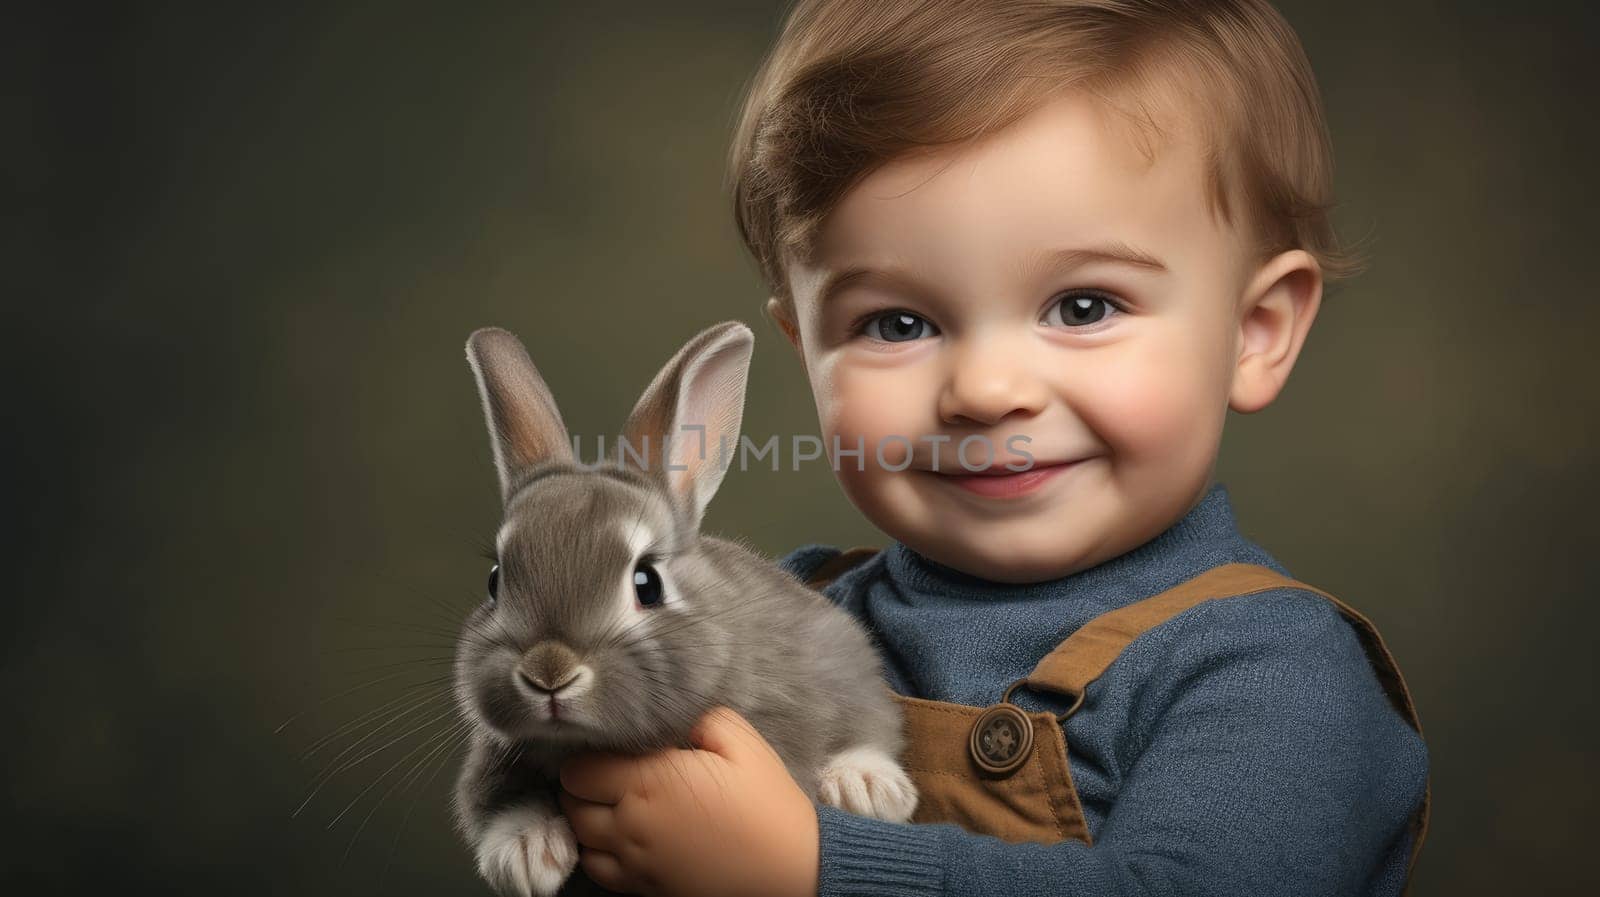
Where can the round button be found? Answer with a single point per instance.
(1001, 739)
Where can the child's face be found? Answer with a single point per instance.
(987, 303)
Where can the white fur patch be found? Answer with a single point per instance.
(528, 851)
(639, 540)
(868, 782)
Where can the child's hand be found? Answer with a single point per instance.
(726, 820)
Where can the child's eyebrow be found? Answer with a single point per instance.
(1116, 252)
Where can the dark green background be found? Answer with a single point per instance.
(244, 249)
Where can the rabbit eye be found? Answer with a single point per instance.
(647, 585)
(494, 585)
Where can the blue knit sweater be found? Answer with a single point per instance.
(1243, 747)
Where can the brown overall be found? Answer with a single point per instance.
(1003, 771)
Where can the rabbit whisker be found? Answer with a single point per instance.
(371, 714)
(427, 739)
(365, 685)
(439, 741)
(462, 732)
(328, 774)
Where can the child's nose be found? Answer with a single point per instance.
(988, 380)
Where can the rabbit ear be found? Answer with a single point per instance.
(693, 409)
(525, 427)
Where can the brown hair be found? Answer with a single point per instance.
(853, 84)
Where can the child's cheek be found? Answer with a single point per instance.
(1159, 402)
(869, 406)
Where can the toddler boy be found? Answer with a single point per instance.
(1065, 237)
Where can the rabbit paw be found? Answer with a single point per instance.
(527, 852)
(868, 782)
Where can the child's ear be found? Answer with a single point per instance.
(779, 313)
(1278, 307)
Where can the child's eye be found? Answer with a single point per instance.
(898, 327)
(1081, 309)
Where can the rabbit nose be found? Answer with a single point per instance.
(549, 666)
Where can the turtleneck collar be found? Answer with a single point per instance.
(1203, 538)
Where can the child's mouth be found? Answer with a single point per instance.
(1005, 483)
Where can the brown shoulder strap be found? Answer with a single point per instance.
(834, 567)
(1087, 653)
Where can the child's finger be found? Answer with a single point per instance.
(723, 731)
(601, 778)
(595, 825)
(606, 871)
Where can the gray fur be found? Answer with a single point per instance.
(736, 629)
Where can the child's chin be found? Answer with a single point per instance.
(1030, 569)
(999, 556)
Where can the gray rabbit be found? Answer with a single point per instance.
(611, 623)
